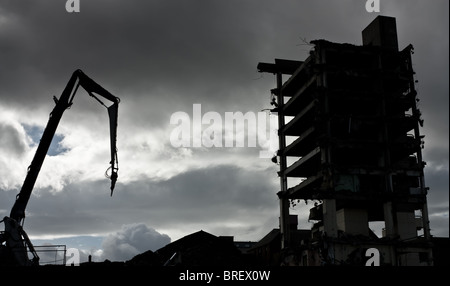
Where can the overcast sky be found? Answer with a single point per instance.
(161, 57)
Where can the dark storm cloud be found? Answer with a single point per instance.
(139, 46)
(174, 53)
(214, 196)
(438, 198)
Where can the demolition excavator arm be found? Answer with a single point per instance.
(16, 239)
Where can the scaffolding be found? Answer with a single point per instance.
(54, 254)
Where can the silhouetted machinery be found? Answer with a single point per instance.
(14, 242)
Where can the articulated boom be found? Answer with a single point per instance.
(16, 239)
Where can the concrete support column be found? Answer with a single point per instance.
(329, 218)
(282, 195)
(389, 223)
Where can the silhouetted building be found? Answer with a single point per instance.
(357, 150)
(441, 251)
(268, 250)
(244, 246)
(202, 249)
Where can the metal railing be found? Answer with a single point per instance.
(51, 254)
